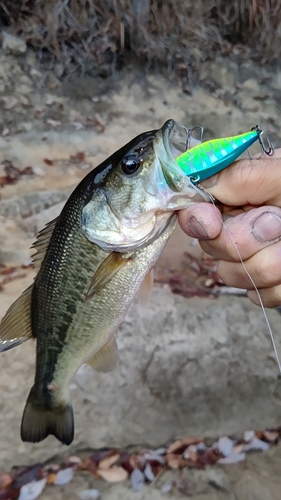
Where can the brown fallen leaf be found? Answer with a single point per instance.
(135, 461)
(9, 494)
(115, 474)
(107, 462)
(51, 479)
(27, 171)
(183, 443)
(48, 162)
(3, 181)
(95, 123)
(175, 461)
(271, 436)
(89, 465)
(73, 461)
(8, 270)
(5, 481)
(78, 157)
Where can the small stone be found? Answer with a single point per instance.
(40, 170)
(13, 44)
(58, 70)
(89, 494)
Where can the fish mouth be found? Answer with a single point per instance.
(171, 141)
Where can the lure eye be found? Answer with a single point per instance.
(130, 164)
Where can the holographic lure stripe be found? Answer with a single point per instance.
(210, 157)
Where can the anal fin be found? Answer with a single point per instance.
(106, 359)
(15, 327)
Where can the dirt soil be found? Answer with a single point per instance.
(61, 131)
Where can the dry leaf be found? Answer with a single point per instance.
(5, 481)
(78, 157)
(26, 475)
(183, 443)
(48, 162)
(73, 461)
(135, 461)
(175, 461)
(137, 480)
(248, 435)
(27, 171)
(95, 123)
(32, 490)
(225, 445)
(64, 476)
(107, 462)
(89, 465)
(51, 478)
(148, 472)
(256, 444)
(238, 448)
(114, 475)
(191, 452)
(271, 436)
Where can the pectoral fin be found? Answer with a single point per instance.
(15, 327)
(106, 271)
(106, 359)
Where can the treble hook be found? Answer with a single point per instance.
(269, 151)
(189, 134)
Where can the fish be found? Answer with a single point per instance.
(91, 262)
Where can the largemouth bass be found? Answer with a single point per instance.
(92, 261)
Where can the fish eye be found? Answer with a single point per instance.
(130, 164)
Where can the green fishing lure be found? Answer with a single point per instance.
(210, 157)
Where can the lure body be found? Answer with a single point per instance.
(210, 157)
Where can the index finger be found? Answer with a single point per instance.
(254, 182)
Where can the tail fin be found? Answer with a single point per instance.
(38, 423)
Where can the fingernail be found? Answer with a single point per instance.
(267, 227)
(197, 229)
(208, 183)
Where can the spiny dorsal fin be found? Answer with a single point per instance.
(15, 327)
(109, 267)
(107, 357)
(146, 288)
(42, 243)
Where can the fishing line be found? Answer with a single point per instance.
(212, 199)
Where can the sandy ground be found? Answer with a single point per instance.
(43, 124)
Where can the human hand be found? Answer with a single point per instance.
(249, 192)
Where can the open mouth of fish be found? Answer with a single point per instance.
(166, 189)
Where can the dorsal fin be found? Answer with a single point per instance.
(15, 327)
(42, 242)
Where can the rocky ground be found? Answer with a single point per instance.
(188, 366)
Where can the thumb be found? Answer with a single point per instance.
(254, 182)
